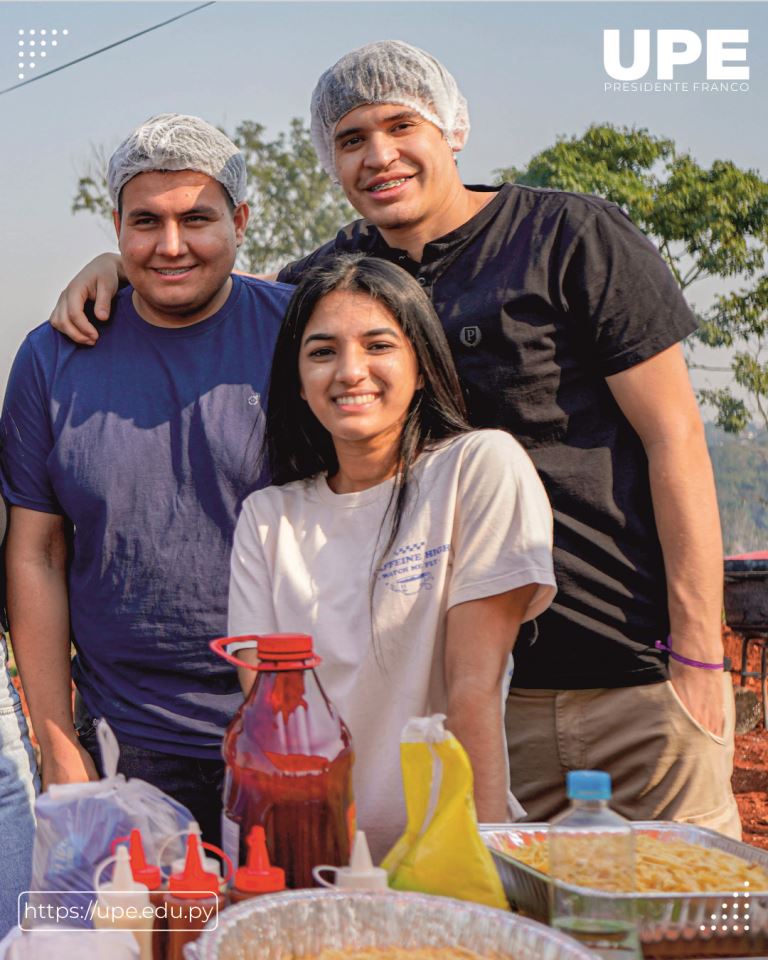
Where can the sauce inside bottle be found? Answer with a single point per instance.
(289, 765)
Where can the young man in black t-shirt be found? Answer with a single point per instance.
(565, 327)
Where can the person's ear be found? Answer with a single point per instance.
(240, 215)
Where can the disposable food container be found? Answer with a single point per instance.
(723, 924)
(290, 926)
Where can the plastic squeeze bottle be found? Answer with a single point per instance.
(592, 846)
(123, 904)
(152, 877)
(192, 900)
(258, 876)
(289, 763)
(359, 875)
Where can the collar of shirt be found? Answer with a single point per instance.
(441, 252)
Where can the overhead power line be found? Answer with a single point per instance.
(110, 46)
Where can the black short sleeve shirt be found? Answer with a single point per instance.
(543, 294)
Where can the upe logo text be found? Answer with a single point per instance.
(678, 48)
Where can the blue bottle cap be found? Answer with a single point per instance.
(588, 785)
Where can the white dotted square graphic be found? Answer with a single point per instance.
(30, 43)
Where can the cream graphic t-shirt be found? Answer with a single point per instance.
(477, 523)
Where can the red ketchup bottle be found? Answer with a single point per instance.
(289, 763)
(258, 876)
(192, 900)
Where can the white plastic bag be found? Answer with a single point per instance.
(77, 824)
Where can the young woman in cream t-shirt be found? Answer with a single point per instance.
(409, 546)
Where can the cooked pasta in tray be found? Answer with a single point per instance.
(401, 953)
(699, 894)
(663, 865)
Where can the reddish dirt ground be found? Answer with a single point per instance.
(750, 767)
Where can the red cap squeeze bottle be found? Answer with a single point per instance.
(143, 872)
(193, 897)
(258, 876)
(151, 876)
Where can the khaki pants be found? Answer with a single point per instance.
(663, 763)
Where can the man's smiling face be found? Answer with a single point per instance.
(178, 237)
(395, 167)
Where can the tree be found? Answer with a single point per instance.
(294, 206)
(706, 223)
(740, 319)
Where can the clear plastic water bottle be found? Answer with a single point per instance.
(591, 846)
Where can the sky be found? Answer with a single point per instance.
(530, 71)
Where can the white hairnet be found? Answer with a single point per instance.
(389, 71)
(173, 141)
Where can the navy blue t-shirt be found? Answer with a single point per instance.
(148, 444)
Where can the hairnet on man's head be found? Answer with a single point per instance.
(174, 141)
(389, 71)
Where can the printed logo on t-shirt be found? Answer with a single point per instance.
(412, 566)
(254, 400)
(470, 336)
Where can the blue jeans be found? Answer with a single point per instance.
(19, 782)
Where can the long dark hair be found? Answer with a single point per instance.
(296, 445)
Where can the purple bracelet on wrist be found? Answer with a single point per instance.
(660, 645)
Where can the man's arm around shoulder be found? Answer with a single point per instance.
(38, 612)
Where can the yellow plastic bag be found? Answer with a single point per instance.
(441, 851)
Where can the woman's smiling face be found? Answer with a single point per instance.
(358, 370)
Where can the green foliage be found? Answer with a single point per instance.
(731, 413)
(92, 195)
(741, 319)
(614, 163)
(294, 206)
(706, 223)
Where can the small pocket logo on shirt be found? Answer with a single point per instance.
(254, 400)
(470, 336)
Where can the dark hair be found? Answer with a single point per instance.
(296, 445)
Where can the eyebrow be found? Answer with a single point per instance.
(206, 210)
(377, 332)
(401, 115)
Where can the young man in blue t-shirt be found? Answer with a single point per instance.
(142, 451)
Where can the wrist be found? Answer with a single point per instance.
(55, 740)
(117, 260)
(687, 659)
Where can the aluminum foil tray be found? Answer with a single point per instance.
(671, 924)
(290, 926)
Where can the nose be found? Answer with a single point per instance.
(381, 151)
(351, 367)
(171, 241)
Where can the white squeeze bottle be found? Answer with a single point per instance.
(592, 846)
(123, 904)
(359, 875)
